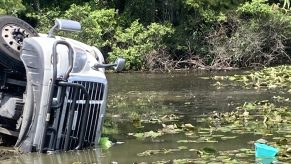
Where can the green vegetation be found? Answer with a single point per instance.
(269, 117)
(258, 36)
(172, 34)
(105, 143)
(202, 136)
(268, 78)
(11, 7)
(262, 118)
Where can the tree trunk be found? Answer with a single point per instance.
(36, 5)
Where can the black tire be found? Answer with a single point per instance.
(12, 32)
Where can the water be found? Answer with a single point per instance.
(144, 96)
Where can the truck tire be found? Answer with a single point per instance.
(12, 32)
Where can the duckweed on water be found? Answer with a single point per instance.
(210, 155)
(154, 152)
(150, 134)
(269, 119)
(261, 117)
(268, 78)
(167, 129)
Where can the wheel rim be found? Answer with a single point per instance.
(13, 35)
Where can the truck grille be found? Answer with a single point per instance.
(96, 94)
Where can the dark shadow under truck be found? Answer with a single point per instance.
(53, 90)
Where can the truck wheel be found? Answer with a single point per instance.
(12, 33)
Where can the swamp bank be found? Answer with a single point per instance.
(7, 152)
(172, 34)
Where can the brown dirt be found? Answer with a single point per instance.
(7, 152)
(6, 147)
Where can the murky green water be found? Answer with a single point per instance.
(142, 97)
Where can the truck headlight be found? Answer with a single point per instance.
(80, 59)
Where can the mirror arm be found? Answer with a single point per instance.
(52, 31)
(65, 25)
(118, 65)
(104, 65)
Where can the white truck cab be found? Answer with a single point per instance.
(64, 93)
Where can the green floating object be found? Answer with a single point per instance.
(265, 151)
(105, 143)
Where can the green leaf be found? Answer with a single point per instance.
(209, 150)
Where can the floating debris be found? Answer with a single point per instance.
(105, 143)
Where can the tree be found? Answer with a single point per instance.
(286, 4)
(11, 7)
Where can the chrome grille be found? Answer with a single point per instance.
(96, 93)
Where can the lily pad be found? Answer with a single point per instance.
(228, 137)
(209, 150)
(150, 134)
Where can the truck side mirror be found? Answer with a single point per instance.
(64, 25)
(118, 65)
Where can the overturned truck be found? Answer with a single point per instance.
(53, 90)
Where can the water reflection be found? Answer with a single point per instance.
(188, 93)
(76, 157)
(266, 160)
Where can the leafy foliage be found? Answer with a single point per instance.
(256, 36)
(11, 7)
(45, 18)
(98, 26)
(137, 41)
(260, 9)
(172, 34)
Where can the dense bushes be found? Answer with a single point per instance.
(255, 35)
(136, 43)
(170, 34)
(98, 26)
(11, 7)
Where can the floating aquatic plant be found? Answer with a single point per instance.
(268, 78)
(161, 151)
(149, 134)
